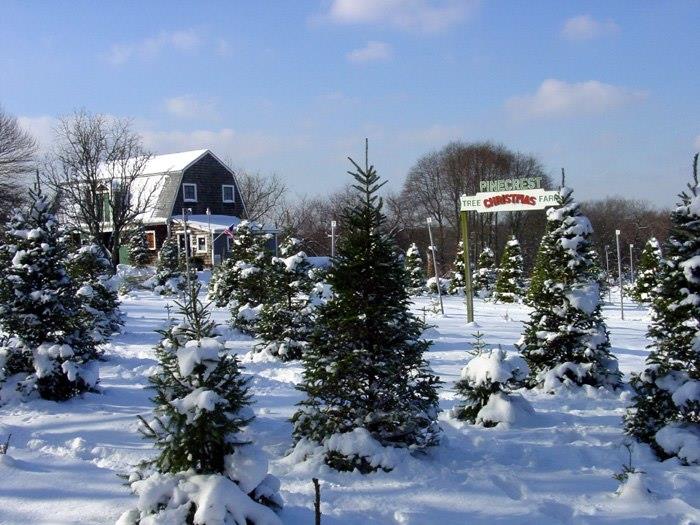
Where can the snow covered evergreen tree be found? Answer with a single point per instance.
(208, 471)
(285, 318)
(510, 286)
(40, 308)
(169, 276)
(486, 386)
(415, 270)
(648, 270)
(364, 372)
(457, 275)
(486, 275)
(667, 393)
(91, 269)
(566, 340)
(138, 248)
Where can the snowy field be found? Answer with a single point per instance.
(64, 458)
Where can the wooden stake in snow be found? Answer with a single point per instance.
(4, 448)
(317, 501)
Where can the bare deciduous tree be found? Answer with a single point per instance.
(95, 170)
(17, 156)
(263, 195)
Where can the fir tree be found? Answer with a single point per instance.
(566, 340)
(202, 408)
(487, 381)
(667, 393)
(40, 308)
(285, 318)
(364, 370)
(457, 276)
(486, 275)
(91, 269)
(415, 270)
(138, 248)
(169, 273)
(647, 272)
(510, 285)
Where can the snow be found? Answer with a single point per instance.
(585, 298)
(552, 468)
(506, 409)
(196, 352)
(690, 391)
(681, 441)
(493, 366)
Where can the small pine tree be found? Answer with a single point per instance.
(364, 370)
(486, 275)
(138, 248)
(171, 274)
(487, 381)
(91, 269)
(566, 340)
(457, 275)
(647, 272)
(666, 405)
(285, 319)
(202, 408)
(415, 270)
(510, 286)
(40, 308)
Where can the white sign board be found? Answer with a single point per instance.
(522, 200)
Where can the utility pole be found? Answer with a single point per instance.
(211, 238)
(607, 274)
(185, 213)
(333, 225)
(468, 286)
(437, 275)
(631, 263)
(619, 274)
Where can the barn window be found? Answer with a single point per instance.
(189, 192)
(201, 244)
(227, 193)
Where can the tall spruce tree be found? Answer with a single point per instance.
(667, 393)
(90, 268)
(364, 369)
(457, 274)
(138, 248)
(285, 318)
(510, 286)
(415, 269)
(648, 270)
(486, 275)
(39, 306)
(202, 408)
(566, 340)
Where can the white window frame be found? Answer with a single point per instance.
(184, 192)
(151, 247)
(206, 244)
(223, 193)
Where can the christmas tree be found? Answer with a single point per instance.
(647, 272)
(91, 269)
(285, 318)
(486, 275)
(510, 285)
(364, 372)
(457, 276)
(39, 307)
(667, 393)
(486, 386)
(169, 272)
(566, 340)
(138, 248)
(202, 408)
(415, 270)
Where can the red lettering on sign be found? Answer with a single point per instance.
(510, 198)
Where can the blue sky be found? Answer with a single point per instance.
(607, 89)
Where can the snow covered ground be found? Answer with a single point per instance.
(64, 458)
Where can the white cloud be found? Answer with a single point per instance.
(150, 48)
(188, 106)
(557, 98)
(374, 51)
(585, 27)
(425, 16)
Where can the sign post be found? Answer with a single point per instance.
(632, 263)
(505, 195)
(437, 274)
(619, 274)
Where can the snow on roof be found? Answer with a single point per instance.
(201, 222)
(172, 161)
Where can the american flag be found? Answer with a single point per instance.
(229, 231)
